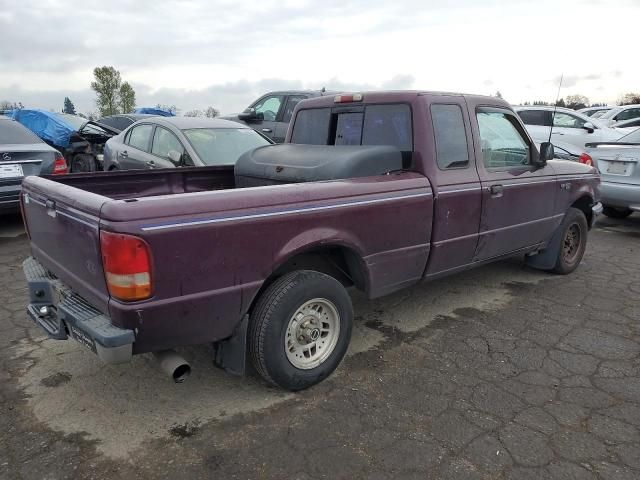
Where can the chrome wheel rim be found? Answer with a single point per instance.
(312, 333)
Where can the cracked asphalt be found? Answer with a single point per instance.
(515, 375)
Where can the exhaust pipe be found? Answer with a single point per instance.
(173, 365)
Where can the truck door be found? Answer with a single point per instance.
(458, 198)
(269, 108)
(517, 197)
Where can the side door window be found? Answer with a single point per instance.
(164, 142)
(281, 127)
(139, 137)
(451, 139)
(628, 114)
(535, 117)
(565, 120)
(502, 144)
(269, 107)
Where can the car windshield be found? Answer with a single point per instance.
(223, 146)
(633, 137)
(14, 133)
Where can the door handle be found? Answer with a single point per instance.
(266, 130)
(151, 164)
(496, 190)
(124, 154)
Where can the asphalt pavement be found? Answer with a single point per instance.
(502, 372)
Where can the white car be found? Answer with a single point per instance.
(620, 114)
(627, 126)
(569, 126)
(594, 111)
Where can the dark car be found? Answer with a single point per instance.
(167, 142)
(122, 121)
(22, 153)
(271, 113)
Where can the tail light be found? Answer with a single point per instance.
(586, 159)
(127, 266)
(60, 165)
(355, 97)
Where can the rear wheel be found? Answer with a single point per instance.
(300, 329)
(573, 243)
(83, 162)
(613, 212)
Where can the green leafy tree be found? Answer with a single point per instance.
(107, 86)
(576, 102)
(69, 107)
(127, 98)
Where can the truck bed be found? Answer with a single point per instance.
(124, 184)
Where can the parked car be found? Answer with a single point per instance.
(271, 113)
(569, 126)
(594, 111)
(627, 126)
(168, 142)
(378, 190)
(619, 166)
(22, 153)
(567, 151)
(81, 141)
(619, 114)
(121, 121)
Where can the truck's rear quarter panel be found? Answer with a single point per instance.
(212, 251)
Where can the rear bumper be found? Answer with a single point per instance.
(63, 314)
(622, 195)
(9, 198)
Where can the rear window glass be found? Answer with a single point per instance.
(312, 126)
(370, 125)
(450, 136)
(534, 117)
(13, 132)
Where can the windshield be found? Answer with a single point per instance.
(633, 137)
(12, 132)
(223, 146)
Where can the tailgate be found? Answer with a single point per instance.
(63, 225)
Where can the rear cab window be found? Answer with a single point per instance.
(375, 124)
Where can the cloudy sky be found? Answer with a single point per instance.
(224, 53)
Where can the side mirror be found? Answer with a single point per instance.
(249, 114)
(175, 157)
(588, 126)
(546, 153)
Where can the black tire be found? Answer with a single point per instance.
(613, 212)
(82, 163)
(269, 323)
(573, 241)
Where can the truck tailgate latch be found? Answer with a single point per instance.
(50, 205)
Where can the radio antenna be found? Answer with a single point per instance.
(555, 107)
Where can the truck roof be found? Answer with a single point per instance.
(398, 96)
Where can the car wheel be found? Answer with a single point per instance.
(574, 241)
(613, 212)
(83, 162)
(300, 329)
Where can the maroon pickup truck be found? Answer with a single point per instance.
(376, 191)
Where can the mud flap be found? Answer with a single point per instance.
(547, 258)
(231, 354)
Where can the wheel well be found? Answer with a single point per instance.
(584, 204)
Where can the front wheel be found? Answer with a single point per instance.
(574, 241)
(613, 212)
(300, 329)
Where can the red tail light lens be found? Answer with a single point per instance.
(355, 97)
(127, 266)
(60, 165)
(586, 159)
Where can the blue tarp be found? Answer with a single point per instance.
(47, 125)
(154, 111)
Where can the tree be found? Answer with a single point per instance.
(576, 102)
(107, 87)
(7, 105)
(560, 103)
(498, 94)
(211, 112)
(127, 98)
(194, 113)
(629, 99)
(68, 106)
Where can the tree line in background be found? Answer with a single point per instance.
(576, 102)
